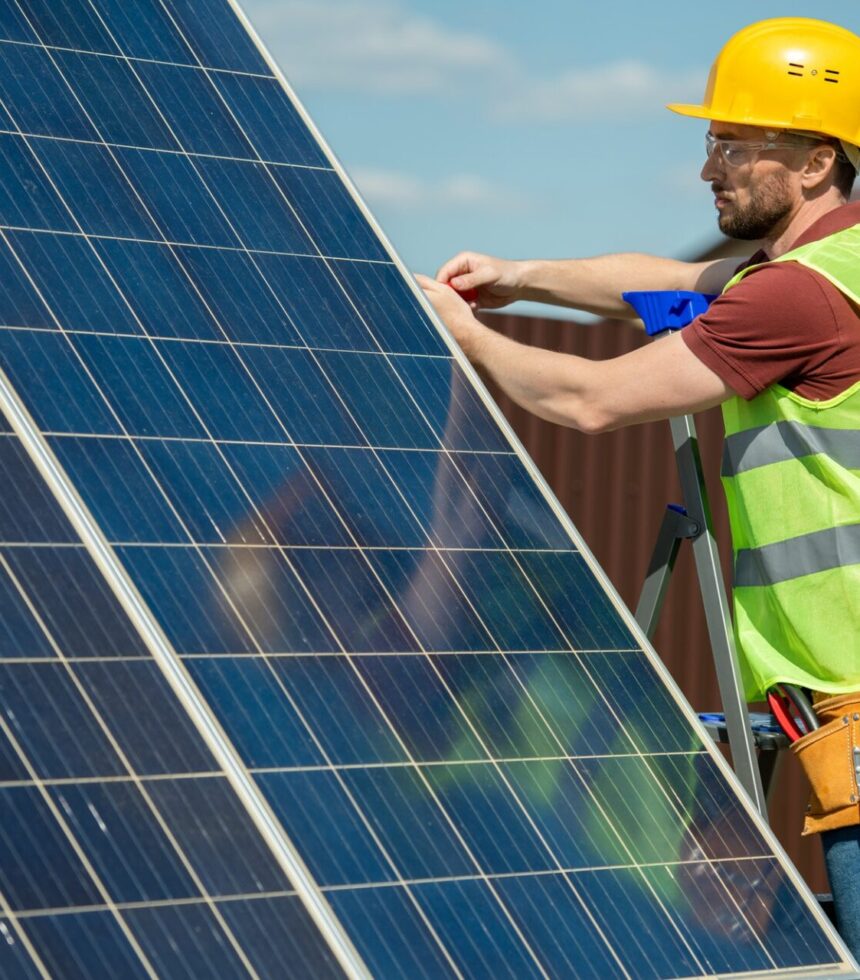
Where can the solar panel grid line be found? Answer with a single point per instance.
(153, 61)
(478, 384)
(549, 496)
(79, 852)
(522, 807)
(185, 689)
(370, 829)
(131, 774)
(607, 819)
(158, 149)
(420, 911)
(201, 246)
(214, 343)
(511, 788)
(21, 936)
(563, 517)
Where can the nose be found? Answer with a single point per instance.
(713, 167)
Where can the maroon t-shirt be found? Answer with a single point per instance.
(784, 324)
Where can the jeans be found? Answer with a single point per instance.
(842, 857)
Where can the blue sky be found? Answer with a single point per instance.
(519, 129)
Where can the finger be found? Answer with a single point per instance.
(484, 276)
(454, 267)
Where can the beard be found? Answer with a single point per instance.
(769, 203)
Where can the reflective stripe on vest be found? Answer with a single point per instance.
(804, 555)
(791, 471)
(780, 441)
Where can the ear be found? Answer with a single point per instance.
(819, 166)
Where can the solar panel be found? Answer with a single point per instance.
(303, 672)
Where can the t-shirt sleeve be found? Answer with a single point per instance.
(775, 326)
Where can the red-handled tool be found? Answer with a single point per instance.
(469, 295)
(791, 708)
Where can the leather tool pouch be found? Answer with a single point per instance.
(830, 757)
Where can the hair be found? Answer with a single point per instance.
(844, 175)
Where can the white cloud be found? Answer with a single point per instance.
(618, 89)
(374, 46)
(381, 47)
(403, 192)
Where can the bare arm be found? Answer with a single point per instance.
(659, 380)
(594, 285)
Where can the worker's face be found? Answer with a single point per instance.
(754, 197)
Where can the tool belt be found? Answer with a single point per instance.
(830, 757)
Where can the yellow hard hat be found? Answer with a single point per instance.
(786, 73)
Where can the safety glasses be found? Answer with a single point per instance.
(738, 152)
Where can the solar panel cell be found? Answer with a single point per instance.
(83, 946)
(577, 604)
(65, 401)
(70, 596)
(278, 931)
(126, 694)
(36, 97)
(19, 304)
(113, 479)
(186, 941)
(317, 810)
(246, 690)
(67, 271)
(143, 393)
(407, 945)
(67, 24)
(176, 200)
(14, 25)
(52, 724)
(323, 204)
(144, 31)
(111, 94)
(370, 502)
(89, 175)
(373, 393)
(158, 295)
(352, 601)
(27, 510)
(308, 403)
(191, 105)
(388, 307)
(262, 218)
(315, 302)
(449, 403)
(216, 37)
(121, 837)
(336, 697)
(238, 296)
(269, 119)
(39, 870)
(27, 198)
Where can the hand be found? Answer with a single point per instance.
(495, 280)
(455, 313)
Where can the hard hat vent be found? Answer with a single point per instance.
(831, 75)
(794, 69)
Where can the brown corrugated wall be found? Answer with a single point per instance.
(615, 488)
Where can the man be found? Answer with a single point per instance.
(779, 350)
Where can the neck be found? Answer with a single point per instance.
(786, 232)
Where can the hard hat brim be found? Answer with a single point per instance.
(696, 111)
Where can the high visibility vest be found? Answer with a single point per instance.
(791, 472)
